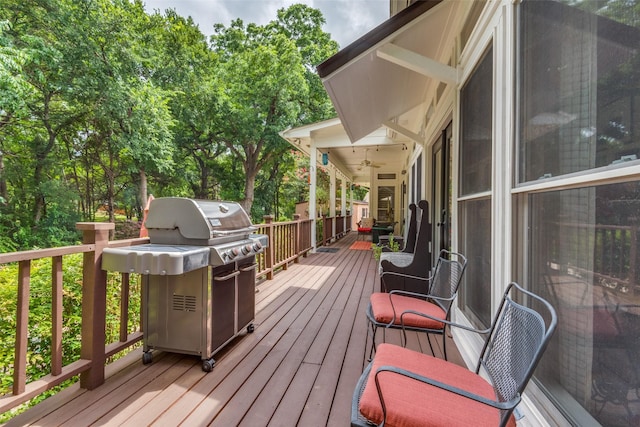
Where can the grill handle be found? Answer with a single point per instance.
(234, 232)
(227, 277)
(249, 267)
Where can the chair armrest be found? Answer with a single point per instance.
(414, 295)
(406, 276)
(452, 389)
(420, 295)
(409, 293)
(448, 322)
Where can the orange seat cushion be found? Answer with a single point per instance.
(383, 305)
(364, 230)
(411, 403)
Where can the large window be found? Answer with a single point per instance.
(585, 259)
(476, 108)
(579, 88)
(476, 138)
(475, 229)
(578, 139)
(386, 202)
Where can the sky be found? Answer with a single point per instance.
(346, 20)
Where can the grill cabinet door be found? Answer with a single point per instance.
(223, 305)
(175, 312)
(246, 294)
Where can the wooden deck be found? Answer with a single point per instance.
(299, 367)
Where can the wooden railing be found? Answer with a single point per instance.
(93, 353)
(325, 232)
(288, 241)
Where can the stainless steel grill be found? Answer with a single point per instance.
(198, 283)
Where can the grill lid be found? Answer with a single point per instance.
(180, 220)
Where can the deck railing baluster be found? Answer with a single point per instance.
(22, 323)
(57, 310)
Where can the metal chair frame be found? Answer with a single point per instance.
(515, 343)
(361, 230)
(442, 289)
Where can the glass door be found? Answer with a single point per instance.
(442, 193)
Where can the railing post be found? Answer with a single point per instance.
(94, 303)
(296, 218)
(269, 258)
(633, 259)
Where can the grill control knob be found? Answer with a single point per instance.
(246, 249)
(233, 253)
(257, 246)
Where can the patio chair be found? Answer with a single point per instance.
(409, 239)
(405, 387)
(409, 265)
(395, 309)
(365, 226)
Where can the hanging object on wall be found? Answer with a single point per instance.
(325, 159)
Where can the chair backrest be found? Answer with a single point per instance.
(518, 337)
(366, 222)
(412, 230)
(446, 277)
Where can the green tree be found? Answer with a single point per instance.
(188, 68)
(128, 128)
(303, 25)
(30, 141)
(269, 87)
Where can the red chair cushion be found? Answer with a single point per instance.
(383, 310)
(411, 403)
(364, 230)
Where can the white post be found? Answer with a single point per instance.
(343, 204)
(313, 158)
(332, 199)
(353, 213)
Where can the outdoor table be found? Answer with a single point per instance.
(380, 230)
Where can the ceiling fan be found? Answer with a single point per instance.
(368, 163)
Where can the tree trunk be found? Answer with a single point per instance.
(249, 190)
(143, 191)
(38, 205)
(3, 183)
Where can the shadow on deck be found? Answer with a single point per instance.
(299, 367)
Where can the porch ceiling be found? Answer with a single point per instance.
(382, 78)
(357, 162)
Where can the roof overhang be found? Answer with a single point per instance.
(385, 73)
(329, 136)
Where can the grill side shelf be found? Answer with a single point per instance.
(155, 259)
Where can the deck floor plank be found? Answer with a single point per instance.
(261, 341)
(316, 349)
(322, 397)
(299, 367)
(89, 406)
(299, 334)
(138, 408)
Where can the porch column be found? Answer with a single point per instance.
(343, 203)
(353, 214)
(332, 199)
(313, 215)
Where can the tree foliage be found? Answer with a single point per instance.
(102, 104)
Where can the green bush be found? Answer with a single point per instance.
(40, 300)
(394, 246)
